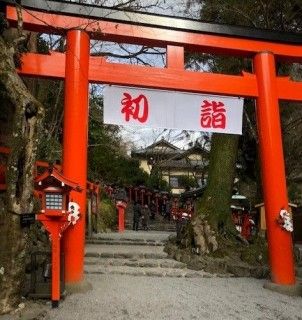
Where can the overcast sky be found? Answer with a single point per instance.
(180, 8)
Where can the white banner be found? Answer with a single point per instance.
(172, 110)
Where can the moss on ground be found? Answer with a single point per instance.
(232, 257)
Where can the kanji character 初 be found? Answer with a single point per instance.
(137, 108)
(213, 115)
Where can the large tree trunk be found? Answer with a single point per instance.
(213, 210)
(215, 203)
(19, 198)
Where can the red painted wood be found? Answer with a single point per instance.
(100, 71)
(75, 146)
(121, 219)
(273, 170)
(124, 33)
(4, 150)
(55, 226)
(53, 66)
(175, 57)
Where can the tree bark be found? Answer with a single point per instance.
(213, 210)
(215, 203)
(28, 114)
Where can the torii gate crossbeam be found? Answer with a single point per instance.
(178, 36)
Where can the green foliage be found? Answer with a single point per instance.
(106, 217)
(269, 14)
(108, 160)
(155, 181)
(50, 93)
(107, 157)
(3, 23)
(294, 193)
(49, 150)
(187, 182)
(42, 45)
(256, 252)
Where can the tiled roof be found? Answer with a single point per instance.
(181, 164)
(172, 157)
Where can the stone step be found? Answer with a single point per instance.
(154, 223)
(151, 272)
(138, 238)
(168, 228)
(137, 263)
(127, 255)
(124, 242)
(125, 251)
(162, 228)
(133, 235)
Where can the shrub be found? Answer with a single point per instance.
(106, 218)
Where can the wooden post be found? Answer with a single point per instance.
(272, 170)
(75, 145)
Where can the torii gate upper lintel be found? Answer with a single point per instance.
(78, 68)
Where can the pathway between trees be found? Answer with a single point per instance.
(133, 278)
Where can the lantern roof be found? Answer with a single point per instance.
(52, 173)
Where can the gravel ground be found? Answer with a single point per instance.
(118, 297)
(125, 297)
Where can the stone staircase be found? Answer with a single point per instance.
(124, 241)
(135, 254)
(162, 225)
(166, 226)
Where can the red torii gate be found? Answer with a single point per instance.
(78, 68)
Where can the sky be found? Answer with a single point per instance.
(180, 8)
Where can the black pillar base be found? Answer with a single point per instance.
(289, 290)
(54, 303)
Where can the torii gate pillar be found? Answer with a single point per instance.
(273, 170)
(75, 145)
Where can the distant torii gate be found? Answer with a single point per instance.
(78, 68)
